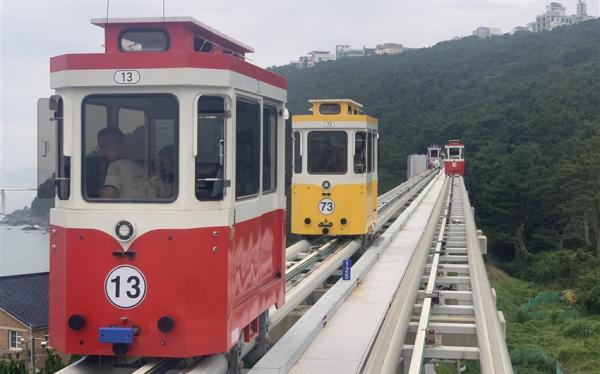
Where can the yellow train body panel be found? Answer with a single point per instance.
(354, 203)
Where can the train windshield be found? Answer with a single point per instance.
(454, 153)
(130, 148)
(434, 153)
(327, 152)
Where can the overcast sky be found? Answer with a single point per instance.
(279, 30)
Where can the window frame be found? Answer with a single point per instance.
(144, 29)
(176, 148)
(339, 108)
(18, 337)
(63, 179)
(227, 104)
(259, 102)
(343, 131)
(274, 148)
(297, 166)
(366, 152)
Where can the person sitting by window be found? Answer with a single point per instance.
(125, 179)
(164, 182)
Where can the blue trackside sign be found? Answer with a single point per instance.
(346, 267)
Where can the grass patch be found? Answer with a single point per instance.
(571, 338)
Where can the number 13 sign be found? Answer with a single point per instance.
(125, 286)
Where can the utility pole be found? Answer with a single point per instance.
(32, 349)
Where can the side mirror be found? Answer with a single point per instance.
(46, 148)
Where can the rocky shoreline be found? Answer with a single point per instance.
(34, 218)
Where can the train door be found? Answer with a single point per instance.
(247, 203)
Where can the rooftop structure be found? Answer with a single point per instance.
(556, 15)
(486, 32)
(25, 297)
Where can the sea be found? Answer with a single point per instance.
(22, 251)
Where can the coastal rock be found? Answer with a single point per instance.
(35, 218)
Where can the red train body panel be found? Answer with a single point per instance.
(455, 158)
(454, 167)
(206, 292)
(209, 259)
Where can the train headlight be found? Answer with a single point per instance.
(124, 230)
(326, 184)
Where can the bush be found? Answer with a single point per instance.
(559, 267)
(581, 329)
(588, 290)
(53, 362)
(11, 366)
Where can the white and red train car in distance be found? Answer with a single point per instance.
(168, 235)
(434, 156)
(455, 160)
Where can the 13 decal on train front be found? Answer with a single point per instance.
(166, 156)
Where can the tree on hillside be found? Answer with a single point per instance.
(580, 170)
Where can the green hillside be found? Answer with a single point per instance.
(526, 105)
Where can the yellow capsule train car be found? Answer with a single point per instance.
(334, 185)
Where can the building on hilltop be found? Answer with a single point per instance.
(486, 32)
(556, 15)
(24, 317)
(389, 49)
(344, 50)
(314, 57)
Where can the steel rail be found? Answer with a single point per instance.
(416, 362)
(393, 200)
(493, 353)
(286, 352)
(387, 349)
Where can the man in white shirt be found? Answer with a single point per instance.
(125, 179)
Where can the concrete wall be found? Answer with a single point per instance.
(416, 164)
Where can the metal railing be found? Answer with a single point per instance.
(3, 195)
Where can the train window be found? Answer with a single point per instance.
(210, 160)
(143, 40)
(130, 148)
(327, 152)
(63, 162)
(201, 44)
(454, 153)
(247, 148)
(434, 153)
(360, 152)
(269, 167)
(297, 152)
(371, 149)
(329, 109)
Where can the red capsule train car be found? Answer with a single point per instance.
(168, 235)
(434, 156)
(455, 161)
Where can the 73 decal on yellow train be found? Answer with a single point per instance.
(326, 206)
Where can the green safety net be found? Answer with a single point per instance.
(534, 360)
(548, 305)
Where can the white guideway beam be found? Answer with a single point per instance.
(386, 350)
(393, 200)
(417, 357)
(493, 354)
(282, 357)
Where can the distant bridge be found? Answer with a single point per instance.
(3, 195)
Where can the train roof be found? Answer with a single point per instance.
(326, 101)
(211, 34)
(455, 142)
